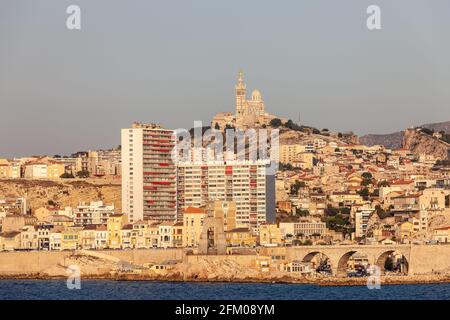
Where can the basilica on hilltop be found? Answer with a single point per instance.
(249, 113)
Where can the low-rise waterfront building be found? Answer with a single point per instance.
(303, 228)
(240, 237)
(269, 234)
(94, 213)
(442, 235)
(192, 226)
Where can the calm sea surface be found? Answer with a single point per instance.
(57, 289)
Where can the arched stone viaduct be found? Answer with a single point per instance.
(340, 255)
(420, 259)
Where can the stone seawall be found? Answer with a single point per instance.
(427, 259)
(32, 262)
(243, 260)
(421, 259)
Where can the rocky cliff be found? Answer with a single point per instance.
(394, 140)
(440, 126)
(421, 143)
(62, 192)
(391, 140)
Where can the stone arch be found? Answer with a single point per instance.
(342, 263)
(381, 260)
(344, 259)
(314, 254)
(311, 255)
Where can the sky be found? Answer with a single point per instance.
(174, 62)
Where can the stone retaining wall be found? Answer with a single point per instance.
(14, 263)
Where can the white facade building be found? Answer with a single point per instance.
(36, 171)
(148, 173)
(246, 183)
(94, 213)
(362, 216)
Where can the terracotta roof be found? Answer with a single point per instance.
(443, 228)
(239, 230)
(116, 215)
(401, 182)
(190, 210)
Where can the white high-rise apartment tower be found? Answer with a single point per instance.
(148, 173)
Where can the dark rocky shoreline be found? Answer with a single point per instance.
(322, 281)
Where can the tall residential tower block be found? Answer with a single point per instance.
(148, 173)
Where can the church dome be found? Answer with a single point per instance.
(256, 95)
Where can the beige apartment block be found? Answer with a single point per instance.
(246, 183)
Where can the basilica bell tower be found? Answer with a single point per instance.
(240, 96)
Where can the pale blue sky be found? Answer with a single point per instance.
(174, 62)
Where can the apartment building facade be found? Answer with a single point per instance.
(148, 173)
(246, 183)
(305, 228)
(95, 213)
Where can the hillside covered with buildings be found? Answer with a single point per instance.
(327, 189)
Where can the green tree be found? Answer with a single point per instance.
(289, 124)
(296, 186)
(364, 192)
(375, 193)
(275, 123)
(345, 210)
(381, 212)
(331, 212)
(301, 212)
(427, 131)
(66, 175)
(285, 167)
(367, 175)
(292, 126)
